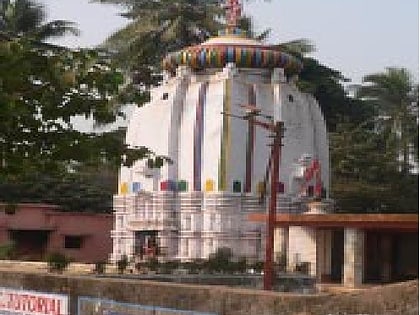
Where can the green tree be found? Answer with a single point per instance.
(395, 97)
(156, 28)
(27, 18)
(42, 156)
(372, 160)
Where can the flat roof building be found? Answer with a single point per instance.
(39, 229)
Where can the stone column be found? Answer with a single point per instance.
(353, 257)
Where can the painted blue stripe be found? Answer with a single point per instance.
(258, 57)
(202, 58)
(230, 54)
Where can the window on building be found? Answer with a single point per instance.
(73, 242)
(119, 246)
(165, 96)
(120, 222)
(211, 245)
(185, 248)
(237, 186)
(280, 187)
(187, 223)
(290, 97)
(212, 221)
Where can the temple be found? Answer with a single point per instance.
(200, 202)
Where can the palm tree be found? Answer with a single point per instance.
(395, 97)
(26, 18)
(158, 27)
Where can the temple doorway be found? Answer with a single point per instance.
(146, 244)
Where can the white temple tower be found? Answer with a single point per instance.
(200, 202)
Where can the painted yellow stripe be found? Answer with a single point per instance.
(226, 137)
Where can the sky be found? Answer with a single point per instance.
(356, 37)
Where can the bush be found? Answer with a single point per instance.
(100, 267)
(168, 267)
(7, 251)
(258, 266)
(152, 264)
(193, 267)
(241, 265)
(220, 261)
(122, 264)
(57, 262)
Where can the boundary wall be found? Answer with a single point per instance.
(180, 299)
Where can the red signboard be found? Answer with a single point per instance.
(21, 302)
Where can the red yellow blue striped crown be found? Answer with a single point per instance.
(232, 47)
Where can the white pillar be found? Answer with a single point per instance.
(353, 257)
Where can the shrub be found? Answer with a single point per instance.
(220, 261)
(168, 267)
(152, 264)
(258, 266)
(122, 264)
(241, 265)
(7, 251)
(57, 262)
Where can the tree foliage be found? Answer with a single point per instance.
(158, 27)
(41, 153)
(373, 160)
(395, 99)
(26, 18)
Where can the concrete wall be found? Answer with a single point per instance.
(391, 300)
(302, 248)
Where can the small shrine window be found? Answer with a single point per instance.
(165, 96)
(237, 186)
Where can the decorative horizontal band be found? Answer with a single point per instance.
(200, 57)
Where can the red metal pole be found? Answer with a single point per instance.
(269, 252)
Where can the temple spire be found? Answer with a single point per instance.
(233, 13)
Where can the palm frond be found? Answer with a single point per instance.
(298, 47)
(57, 28)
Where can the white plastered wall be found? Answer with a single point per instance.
(186, 135)
(302, 247)
(213, 129)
